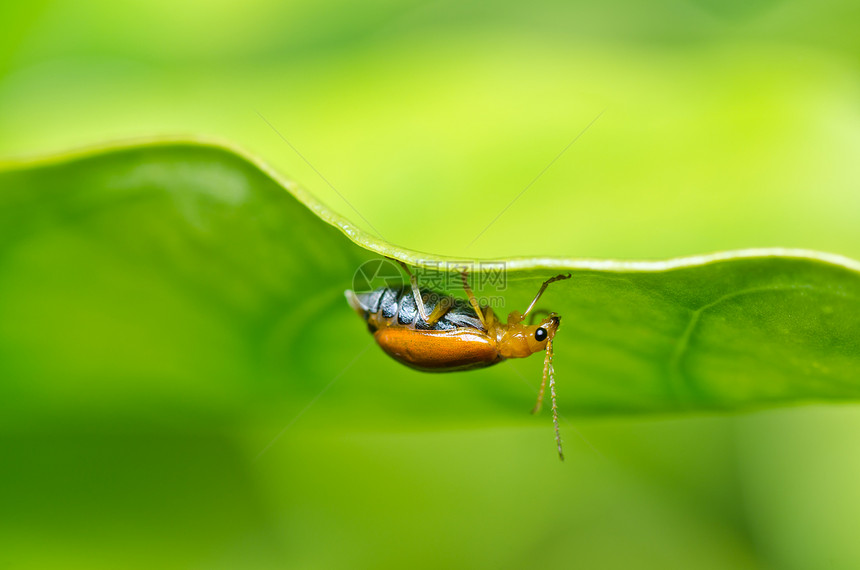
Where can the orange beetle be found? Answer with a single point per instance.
(438, 333)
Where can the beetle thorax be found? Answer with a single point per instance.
(513, 340)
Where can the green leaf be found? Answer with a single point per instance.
(176, 276)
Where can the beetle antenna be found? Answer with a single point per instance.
(551, 371)
(546, 360)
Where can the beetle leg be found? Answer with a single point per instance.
(540, 292)
(419, 302)
(439, 310)
(472, 300)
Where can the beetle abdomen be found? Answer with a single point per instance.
(396, 307)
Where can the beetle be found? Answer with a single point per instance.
(432, 332)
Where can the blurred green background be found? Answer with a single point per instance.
(724, 125)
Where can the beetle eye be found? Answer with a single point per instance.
(540, 334)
